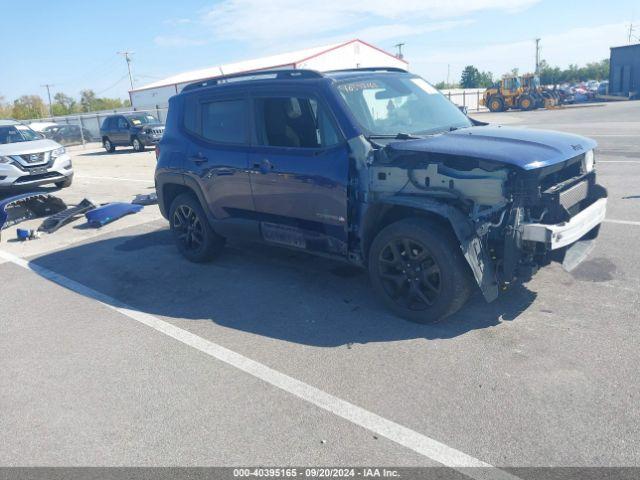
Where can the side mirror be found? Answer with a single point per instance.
(463, 109)
(41, 135)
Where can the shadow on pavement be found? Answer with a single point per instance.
(263, 290)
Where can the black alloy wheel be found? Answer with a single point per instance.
(410, 275)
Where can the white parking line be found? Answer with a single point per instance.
(622, 222)
(115, 178)
(428, 447)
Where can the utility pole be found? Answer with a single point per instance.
(48, 86)
(126, 54)
(630, 32)
(399, 47)
(448, 72)
(537, 56)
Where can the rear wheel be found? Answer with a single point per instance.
(108, 146)
(418, 270)
(191, 230)
(496, 104)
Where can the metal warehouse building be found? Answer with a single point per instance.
(351, 54)
(624, 74)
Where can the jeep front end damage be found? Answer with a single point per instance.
(509, 221)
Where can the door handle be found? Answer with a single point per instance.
(198, 159)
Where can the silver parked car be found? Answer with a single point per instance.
(28, 159)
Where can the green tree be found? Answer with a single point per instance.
(63, 104)
(5, 109)
(87, 100)
(485, 79)
(28, 107)
(440, 86)
(470, 77)
(90, 103)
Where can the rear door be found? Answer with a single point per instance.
(217, 158)
(299, 171)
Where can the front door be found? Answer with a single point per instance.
(121, 132)
(299, 173)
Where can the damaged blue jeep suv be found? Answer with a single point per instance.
(375, 167)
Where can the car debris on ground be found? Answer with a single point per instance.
(54, 222)
(27, 206)
(149, 199)
(100, 216)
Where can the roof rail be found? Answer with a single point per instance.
(255, 75)
(370, 69)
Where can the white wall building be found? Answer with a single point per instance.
(350, 54)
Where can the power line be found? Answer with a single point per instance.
(111, 86)
(126, 56)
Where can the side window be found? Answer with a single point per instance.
(106, 125)
(122, 123)
(225, 121)
(294, 122)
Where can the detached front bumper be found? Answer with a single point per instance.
(563, 234)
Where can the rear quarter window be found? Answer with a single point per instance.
(218, 121)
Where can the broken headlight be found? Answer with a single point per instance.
(588, 162)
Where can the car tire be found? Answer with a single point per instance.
(191, 230)
(65, 183)
(138, 146)
(417, 268)
(108, 146)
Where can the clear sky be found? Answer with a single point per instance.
(72, 44)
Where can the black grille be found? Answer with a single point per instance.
(562, 172)
(35, 178)
(157, 131)
(33, 157)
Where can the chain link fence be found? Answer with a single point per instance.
(84, 128)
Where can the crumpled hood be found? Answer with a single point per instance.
(21, 148)
(524, 148)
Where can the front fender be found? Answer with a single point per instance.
(470, 243)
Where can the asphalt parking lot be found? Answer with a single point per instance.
(116, 351)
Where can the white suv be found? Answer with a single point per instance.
(28, 159)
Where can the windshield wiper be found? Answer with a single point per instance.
(397, 136)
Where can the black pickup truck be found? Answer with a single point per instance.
(375, 167)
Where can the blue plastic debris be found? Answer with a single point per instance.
(27, 206)
(108, 213)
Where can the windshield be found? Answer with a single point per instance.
(142, 120)
(17, 133)
(400, 104)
